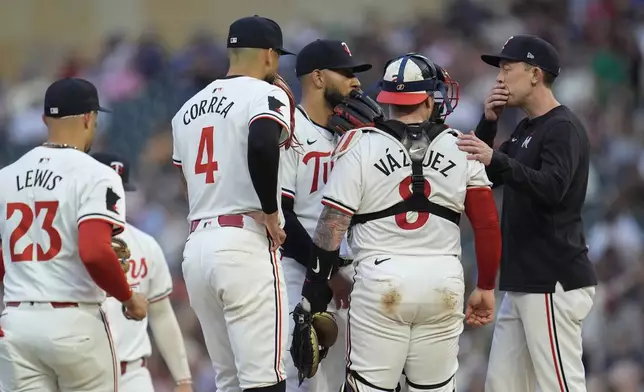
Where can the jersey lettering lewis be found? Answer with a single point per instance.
(210, 143)
(54, 191)
(375, 173)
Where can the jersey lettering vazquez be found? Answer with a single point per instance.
(149, 274)
(210, 143)
(304, 170)
(375, 173)
(46, 194)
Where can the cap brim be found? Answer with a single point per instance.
(354, 68)
(284, 52)
(101, 109)
(402, 99)
(128, 187)
(495, 59)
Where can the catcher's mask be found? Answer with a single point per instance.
(410, 79)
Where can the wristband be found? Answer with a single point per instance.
(184, 382)
(323, 262)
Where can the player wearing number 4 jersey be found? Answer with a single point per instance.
(58, 211)
(148, 274)
(227, 142)
(403, 184)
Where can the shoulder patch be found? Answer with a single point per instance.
(347, 141)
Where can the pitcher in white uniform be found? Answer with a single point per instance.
(326, 70)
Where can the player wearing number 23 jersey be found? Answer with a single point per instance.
(58, 210)
(226, 141)
(401, 185)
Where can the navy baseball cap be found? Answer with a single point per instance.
(256, 32)
(529, 49)
(327, 54)
(71, 97)
(120, 166)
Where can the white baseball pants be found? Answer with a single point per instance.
(47, 349)
(537, 342)
(237, 290)
(332, 370)
(406, 314)
(136, 380)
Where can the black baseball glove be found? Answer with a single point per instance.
(356, 111)
(313, 335)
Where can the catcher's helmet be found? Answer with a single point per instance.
(409, 79)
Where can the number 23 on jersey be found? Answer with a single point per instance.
(28, 218)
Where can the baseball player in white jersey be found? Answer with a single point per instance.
(326, 70)
(402, 185)
(148, 274)
(227, 142)
(59, 209)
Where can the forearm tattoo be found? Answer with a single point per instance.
(332, 225)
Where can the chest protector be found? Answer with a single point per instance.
(416, 140)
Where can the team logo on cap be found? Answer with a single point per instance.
(118, 167)
(400, 87)
(346, 48)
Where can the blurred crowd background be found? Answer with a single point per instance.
(144, 73)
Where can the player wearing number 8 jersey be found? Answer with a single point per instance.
(403, 184)
(227, 143)
(58, 211)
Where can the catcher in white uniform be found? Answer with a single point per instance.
(148, 274)
(326, 70)
(58, 211)
(226, 140)
(402, 184)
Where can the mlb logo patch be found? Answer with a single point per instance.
(53, 110)
(233, 40)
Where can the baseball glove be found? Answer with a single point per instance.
(356, 111)
(313, 335)
(122, 252)
(291, 141)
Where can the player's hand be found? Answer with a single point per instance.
(341, 287)
(477, 148)
(496, 101)
(277, 234)
(183, 388)
(136, 308)
(480, 307)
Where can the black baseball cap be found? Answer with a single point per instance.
(256, 32)
(327, 54)
(529, 49)
(120, 165)
(71, 97)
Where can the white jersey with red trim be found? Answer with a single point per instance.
(304, 170)
(372, 172)
(149, 274)
(210, 143)
(45, 195)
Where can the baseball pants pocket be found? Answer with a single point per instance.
(510, 367)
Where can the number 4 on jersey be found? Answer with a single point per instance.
(207, 152)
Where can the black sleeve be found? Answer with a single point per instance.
(560, 153)
(298, 244)
(486, 131)
(263, 161)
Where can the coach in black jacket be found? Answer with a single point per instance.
(544, 267)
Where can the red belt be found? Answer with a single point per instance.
(143, 360)
(222, 221)
(55, 305)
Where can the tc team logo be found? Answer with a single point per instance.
(117, 166)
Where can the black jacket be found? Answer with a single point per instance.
(544, 167)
